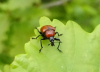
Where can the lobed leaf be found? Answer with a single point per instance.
(81, 51)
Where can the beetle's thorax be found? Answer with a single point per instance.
(46, 27)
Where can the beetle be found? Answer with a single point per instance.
(48, 32)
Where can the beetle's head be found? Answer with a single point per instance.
(52, 41)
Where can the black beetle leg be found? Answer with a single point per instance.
(58, 44)
(41, 44)
(58, 34)
(38, 30)
(36, 37)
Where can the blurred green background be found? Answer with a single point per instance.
(18, 18)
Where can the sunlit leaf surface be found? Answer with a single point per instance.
(81, 51)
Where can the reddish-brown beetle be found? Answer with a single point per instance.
(48, 32)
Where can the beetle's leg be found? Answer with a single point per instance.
(58, 34)
(58, 44)
(36, 37)
(38, 30)
(41, 44)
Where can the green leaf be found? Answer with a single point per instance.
(14, 4)
(0, 70)
(18, 4)
(6, 68)
(81, 51)
(4, 27)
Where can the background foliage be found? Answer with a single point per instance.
(19, 17)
